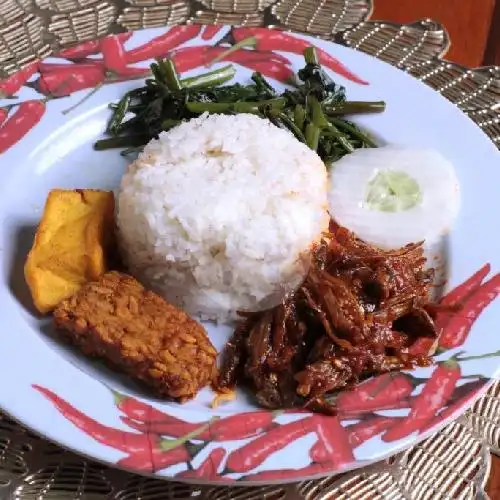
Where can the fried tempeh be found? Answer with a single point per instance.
(138, 332)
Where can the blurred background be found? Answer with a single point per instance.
(473, 25)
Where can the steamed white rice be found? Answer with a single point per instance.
(216, 214)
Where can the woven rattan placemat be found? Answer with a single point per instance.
(453, 464)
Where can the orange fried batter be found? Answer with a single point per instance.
(71, 245)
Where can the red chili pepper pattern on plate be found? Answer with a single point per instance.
(115, 438)
(64, 82)
(22, 120)
(160, 440)
(458, 328)
(378, 392)
(11, 85)
(81, 50)
(161, 46)
(275, 40)
(208, 468)
(210, 31)
(333, 441)
(436, 392)
(114, 53)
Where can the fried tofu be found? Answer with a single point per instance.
(71, 245)
(139, 333)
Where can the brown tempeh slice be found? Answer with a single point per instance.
(138, 332)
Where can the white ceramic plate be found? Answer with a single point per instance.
(83, 406)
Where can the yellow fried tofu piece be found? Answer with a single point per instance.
(71, 245)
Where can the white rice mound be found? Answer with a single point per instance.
(217, 213)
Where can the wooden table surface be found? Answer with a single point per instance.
(474, 30)
(473, 25)
(493, 487)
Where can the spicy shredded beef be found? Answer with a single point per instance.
(356, 314)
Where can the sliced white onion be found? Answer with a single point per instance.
(392, 196)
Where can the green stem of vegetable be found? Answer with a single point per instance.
(317, 115)
(344, 141)
(119, 114)
(128, 125)
(247, 42)
(320, 120)
(151, 83)
(168, 124)
(171, 76)
(299, 116)
(236, 107)
(210, 79)
(126, 141)
(274, 120)
(354, 107)
(262, 83)
(138, 93)
(311, 56)
(137, 108)
(354, 131)
(312, 136)
(296, 131)
(285, 120)
(129, 151)
(158, 75)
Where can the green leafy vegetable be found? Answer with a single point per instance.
(313, 111)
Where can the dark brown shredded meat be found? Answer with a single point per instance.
(139, 333)
(356, 314)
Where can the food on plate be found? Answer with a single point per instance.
(358, 313)
(219, 214)
(313, 111)
(139, 333)
(229, 213)
(71, 245)
(392, 196)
